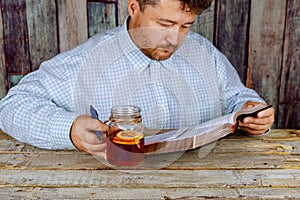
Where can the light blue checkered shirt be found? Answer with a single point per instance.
(196, 84)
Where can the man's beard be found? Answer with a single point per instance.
(161, 52)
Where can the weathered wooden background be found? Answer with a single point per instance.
(260, 37)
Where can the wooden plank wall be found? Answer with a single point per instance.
(289, 86)
(261, 38)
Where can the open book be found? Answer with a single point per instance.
(204, 133)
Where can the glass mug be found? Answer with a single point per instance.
(125, 140)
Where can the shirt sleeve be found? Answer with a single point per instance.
(38, 110)
(234, 93)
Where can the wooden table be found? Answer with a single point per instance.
(236, 167)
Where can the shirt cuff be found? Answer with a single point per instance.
(61, 127)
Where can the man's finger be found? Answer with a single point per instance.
(255, 127)
(266, 113)
(257, 121)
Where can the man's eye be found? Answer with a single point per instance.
(165, 25)
(187, 26)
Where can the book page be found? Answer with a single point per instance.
(192, 137)
(186, 132)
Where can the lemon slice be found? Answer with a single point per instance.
(129, 135)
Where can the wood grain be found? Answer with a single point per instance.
(72, 23)
(291, 114)
(232, 24)
(42, 30)
(204, 23)
(278, 150)
(289, 87)
(16, 47)
(122, 11)
(101, 17)
(236, 167)
(260, 39)
(266, 42)
(3, 79)
(225, 192)
(13, 79)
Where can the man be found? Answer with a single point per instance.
(154, 61)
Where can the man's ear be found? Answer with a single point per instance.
(133, 7)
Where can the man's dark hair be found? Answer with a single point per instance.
(195, 6)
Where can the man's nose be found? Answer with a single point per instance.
(173, 36)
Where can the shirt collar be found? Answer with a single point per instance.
(136, 57)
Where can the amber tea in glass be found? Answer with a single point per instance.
(125, 145)
(125, 148)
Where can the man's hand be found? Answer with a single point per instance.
(259, 124)
(83, 137)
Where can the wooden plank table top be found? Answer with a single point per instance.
(235, 167)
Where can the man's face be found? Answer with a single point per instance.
(159, 30)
